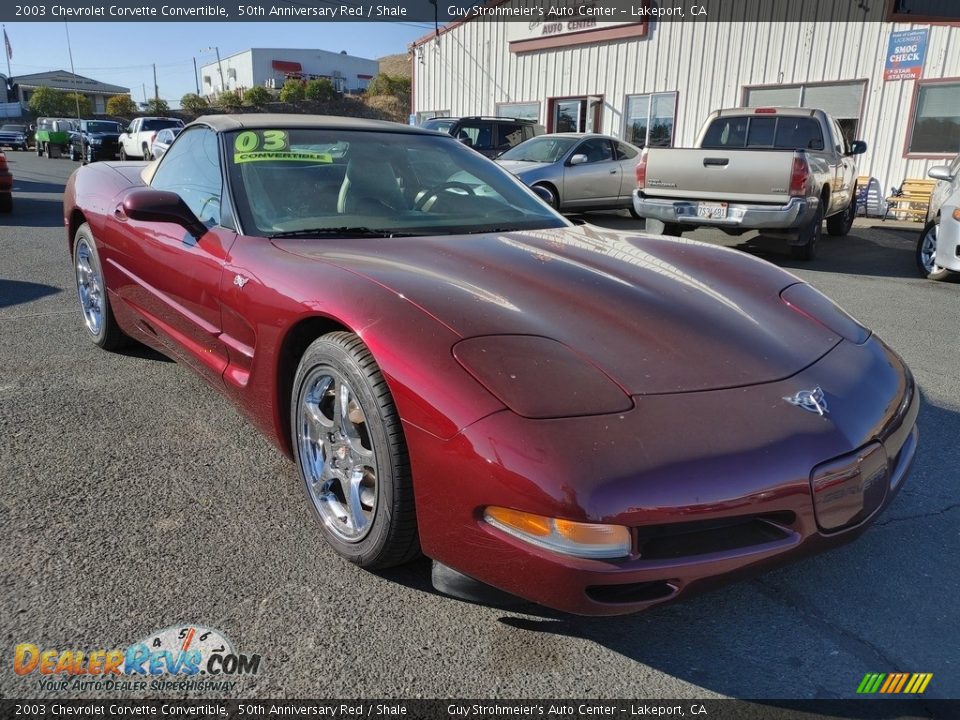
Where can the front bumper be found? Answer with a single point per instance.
(792, 216)
(707, 499)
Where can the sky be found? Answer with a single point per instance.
(122, 53)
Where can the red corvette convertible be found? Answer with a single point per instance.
(595, 421)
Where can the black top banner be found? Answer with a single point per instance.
(447, 11)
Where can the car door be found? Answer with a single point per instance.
(595, 182)
(175, 276)
(846, 168)
(627, 156)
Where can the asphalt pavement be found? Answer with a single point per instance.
(135, 498)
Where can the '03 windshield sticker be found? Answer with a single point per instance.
(263, 145)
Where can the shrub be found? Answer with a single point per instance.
(73, 100)
(47, 102)
(157, 106)
(257, 96)
(229, 99)
(292, 91)
(320, 89)
(193, 103)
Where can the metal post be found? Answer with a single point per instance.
(196, 77)
(76, 93)
(156, 89)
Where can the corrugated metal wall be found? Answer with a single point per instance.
(470, 69)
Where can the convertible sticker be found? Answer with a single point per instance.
(263, 145)
(262, 155)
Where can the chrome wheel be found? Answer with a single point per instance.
(89, 287)
(336, 455)
(928, 250)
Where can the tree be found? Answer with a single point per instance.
(320, 89)
(292, 91)
(157, 106)
(229, 99)
(121, 106)
(257, 96)
(72, 100)
(47, 102)
(392, 85)
(193, 103)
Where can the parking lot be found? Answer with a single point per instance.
(135, 498)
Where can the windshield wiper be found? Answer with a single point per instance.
(328, 231)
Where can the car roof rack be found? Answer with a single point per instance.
(493, 117)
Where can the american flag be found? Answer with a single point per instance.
(6, 42)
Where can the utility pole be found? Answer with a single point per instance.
(156, 89)
(76, 94)
(223, 85)
(6, 43)
(196, 77)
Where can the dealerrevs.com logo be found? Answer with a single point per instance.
(187, 658)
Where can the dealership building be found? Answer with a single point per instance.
(888, 70)
(271, 67)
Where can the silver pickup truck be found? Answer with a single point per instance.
(778, 170)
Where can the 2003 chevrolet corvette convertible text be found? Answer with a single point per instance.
(595, 421)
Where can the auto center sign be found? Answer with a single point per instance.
(905, 54)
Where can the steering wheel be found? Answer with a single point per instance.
(434, 192)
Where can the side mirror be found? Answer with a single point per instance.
(940, 172)
(858, 147)
(578, 159)
(149, 205)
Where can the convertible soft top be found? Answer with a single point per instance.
(253, 121)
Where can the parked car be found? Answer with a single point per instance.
(576, 171)
(778, 170)
(6, 185)
(14, 136)
(95, 140)
(162, 141)
(938, 248)
(453, 366)
(135, 142)
(53, 136)
(489, 136)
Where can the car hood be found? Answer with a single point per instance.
(656, 314)
(518, 167)
(103, 136)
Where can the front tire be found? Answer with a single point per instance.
(123, 155)
(146, 153)
(349, 448)
(92, 293)
(839, 225)
(927, 252)
(553, 200)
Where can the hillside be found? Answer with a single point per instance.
(398, 64)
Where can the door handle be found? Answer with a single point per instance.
(613, 172)
(120, 213)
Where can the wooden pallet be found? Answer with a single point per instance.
(913, 200)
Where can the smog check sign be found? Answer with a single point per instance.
(905, 53)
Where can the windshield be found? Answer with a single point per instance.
(543, 149)
(287, 181)
(102, 126)
(440, 125)
(160, 124)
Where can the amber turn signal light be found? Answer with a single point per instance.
(586, 540)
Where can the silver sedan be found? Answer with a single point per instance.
(938, 248)
(576, 171)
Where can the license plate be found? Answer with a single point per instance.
(713, 211)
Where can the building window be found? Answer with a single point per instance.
(935, 125)
(575, 114)
(650, 119)
(923, 10)
(520, 111)
(842, 100)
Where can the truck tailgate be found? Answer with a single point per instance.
(745, 176)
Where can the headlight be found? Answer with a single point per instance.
(586, 540)
(96, 141)
(537, 377)
(817, 306)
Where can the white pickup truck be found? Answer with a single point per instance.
(136, 141)
(778, 170)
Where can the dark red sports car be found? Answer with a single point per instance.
(592, 420)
